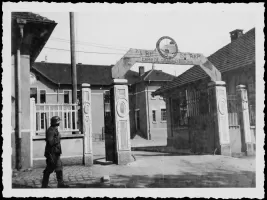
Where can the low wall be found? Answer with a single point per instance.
(72, 160)
(72, 150)
(236, 140)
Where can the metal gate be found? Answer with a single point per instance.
(201, 124)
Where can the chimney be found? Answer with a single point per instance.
(153, 66)
(236, 34)
(141, 70)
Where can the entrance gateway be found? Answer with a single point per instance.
(118, 144)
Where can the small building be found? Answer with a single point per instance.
(53, 86)
(189, 121)
(147, 113)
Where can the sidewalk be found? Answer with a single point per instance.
(153, 170)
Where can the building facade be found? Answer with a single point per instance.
(53, 86)
(189, 117)
(147, 113)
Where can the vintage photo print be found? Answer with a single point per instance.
(133, 100)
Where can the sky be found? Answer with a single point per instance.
(111, 30)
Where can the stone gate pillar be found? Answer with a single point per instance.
(87, 125)
(219, 109)
(122, 122)
(242, 101)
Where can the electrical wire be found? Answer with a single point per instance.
(83, 51)
(94, 52)
(91, 44)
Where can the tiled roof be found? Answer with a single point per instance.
(37, 27)
(31, 17)
(60, 73)
(157, 75)
(238, 53)
(151, 75)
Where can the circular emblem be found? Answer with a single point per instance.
(167, 47)
(86, 108)
(222, 106)
(122, 108)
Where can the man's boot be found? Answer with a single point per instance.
(45, 179)
(60, 181)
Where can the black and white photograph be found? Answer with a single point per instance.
(133, 100)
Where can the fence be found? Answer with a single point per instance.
(42, 113)
(232, 110)
(198, 102)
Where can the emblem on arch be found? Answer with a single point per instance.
(167, 47)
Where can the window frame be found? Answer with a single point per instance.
(69, 91)
(161, 115)
(36, 99)
(40, 93)
(154, 121)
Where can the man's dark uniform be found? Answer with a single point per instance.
(52, 154)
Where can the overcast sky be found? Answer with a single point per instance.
(111, 29)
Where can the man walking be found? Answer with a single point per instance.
(52, 154)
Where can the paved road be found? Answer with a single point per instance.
(154, 170)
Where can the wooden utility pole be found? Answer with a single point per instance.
(73, 59)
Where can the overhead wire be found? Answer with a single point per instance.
(91, 44)
(95, 52)
(82, 51)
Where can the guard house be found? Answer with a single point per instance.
(189, 100)
(29, 34)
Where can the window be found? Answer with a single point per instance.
(42, 96)
(66, 96)
(154, 116)
(33, 93)
(163, 115)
